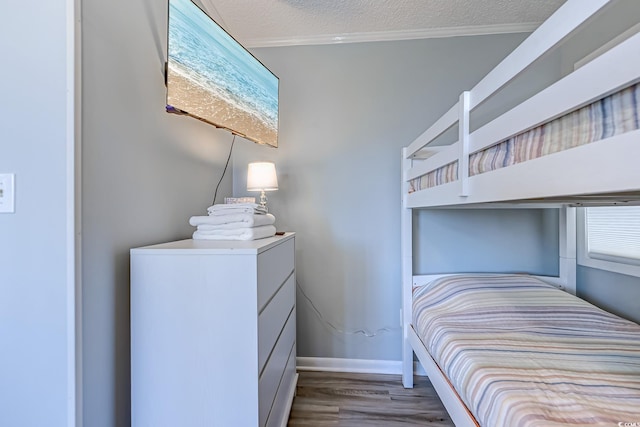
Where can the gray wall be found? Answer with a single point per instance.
(346, 110)
(486, 240)
(33, 278)
(145, 172)
(617, 293)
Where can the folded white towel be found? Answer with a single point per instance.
(253, 233)
(236, 211)
(223, 206)
(240, 220)
(234, 208)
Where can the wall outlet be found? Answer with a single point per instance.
(7, 193)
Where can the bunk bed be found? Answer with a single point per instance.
(574, 143)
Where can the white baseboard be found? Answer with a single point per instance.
(330, 364)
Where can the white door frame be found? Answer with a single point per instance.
(73, 209)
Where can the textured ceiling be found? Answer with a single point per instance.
(281, 22)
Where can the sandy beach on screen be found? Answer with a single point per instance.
(189, 97)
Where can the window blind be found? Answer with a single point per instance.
(613, 232)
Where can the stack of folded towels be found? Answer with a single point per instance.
(239, 221)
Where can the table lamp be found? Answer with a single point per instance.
(261, 176)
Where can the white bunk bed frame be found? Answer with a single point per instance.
(542, 182)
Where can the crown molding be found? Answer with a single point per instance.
(378, 36)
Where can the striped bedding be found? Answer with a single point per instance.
(610, 116)
(523, 353)
(443, 175)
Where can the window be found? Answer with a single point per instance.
(609, 238)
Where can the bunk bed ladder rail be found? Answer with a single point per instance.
(463, 139)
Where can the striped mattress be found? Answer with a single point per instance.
(521, 353)
(610, 116)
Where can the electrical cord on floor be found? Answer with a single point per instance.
(224, 171)
(331, 326)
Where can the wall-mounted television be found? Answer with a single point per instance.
(213, 78)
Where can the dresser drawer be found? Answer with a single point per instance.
(273, 318)
(282, 403)
(274, 266)
(275, 368)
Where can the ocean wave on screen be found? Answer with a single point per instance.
(218, 92)
(221, 67)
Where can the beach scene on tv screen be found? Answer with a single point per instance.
(212, 77)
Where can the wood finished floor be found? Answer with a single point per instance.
(371, 400)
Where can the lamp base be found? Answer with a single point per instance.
(263, 201)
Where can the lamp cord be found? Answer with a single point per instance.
(224, 171)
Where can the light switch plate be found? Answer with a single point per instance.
(7, 193)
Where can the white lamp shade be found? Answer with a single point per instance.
(261, 176)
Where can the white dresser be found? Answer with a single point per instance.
(213, 328)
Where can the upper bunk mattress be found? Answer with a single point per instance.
(612, 115)
(520, 352)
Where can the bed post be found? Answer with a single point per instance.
(463, 138)
(568, 248)
(406, 248)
